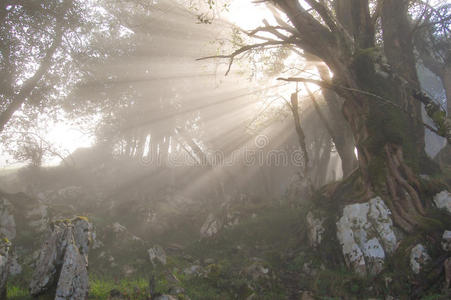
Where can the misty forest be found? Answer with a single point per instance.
(225, 149)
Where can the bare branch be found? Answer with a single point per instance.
(246, 48)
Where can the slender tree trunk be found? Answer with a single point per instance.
(300, 132)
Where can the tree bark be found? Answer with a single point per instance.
(381, 110)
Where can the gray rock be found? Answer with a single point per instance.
(211, 226)
(315, 230)
(50, 257)
(21, 209)
(446, 240)
(365, 232)
(66, 251)
(73, 283)
(209, 261)
(5, 246)
(194, 270)
(82, 231)
(117, 228)
(443, 200)
(157, 254)
(7, 221)
(257, 270)
(14, 268)
(418, 258)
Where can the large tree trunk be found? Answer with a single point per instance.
(382, 112)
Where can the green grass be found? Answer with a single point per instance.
(15, 292)
(136, 289)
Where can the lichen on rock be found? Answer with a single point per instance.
(63, 261)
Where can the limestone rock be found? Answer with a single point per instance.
(194, 270)
(257, 270)
(73, 282)
(443, 200)
(63, 261)
(14, 268)
(37, 217)
(211, 226)
(315, 230)
(7, 221)
(117, 228)
(446, 240)
(5, 246)
(365, 232)
(50, 257)
(157, 254)
(418, 258)
(21, 209)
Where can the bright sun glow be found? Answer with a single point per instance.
(247, 15)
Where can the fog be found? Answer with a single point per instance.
(144, 124)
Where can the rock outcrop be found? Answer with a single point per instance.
(443, 200)
(315, 230)
(20, 209)
(23, 220)
(5, 246)
(365, 232)
(157, 255)
(211, 226)
(418, 258)
(446, 240)
(65, 251)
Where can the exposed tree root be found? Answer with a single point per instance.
(403, 188)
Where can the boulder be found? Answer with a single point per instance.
(315, 230)
(157, 254)
(365, 232)
(418, 258)
(73, 282)
(443, 200)
(63, 261)
(194, 270)
(211, 226)
(257, 270)
(5, 247)
(446, 240)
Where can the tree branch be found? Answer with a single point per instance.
(246, 48)
(31, 83)
(431, 107)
